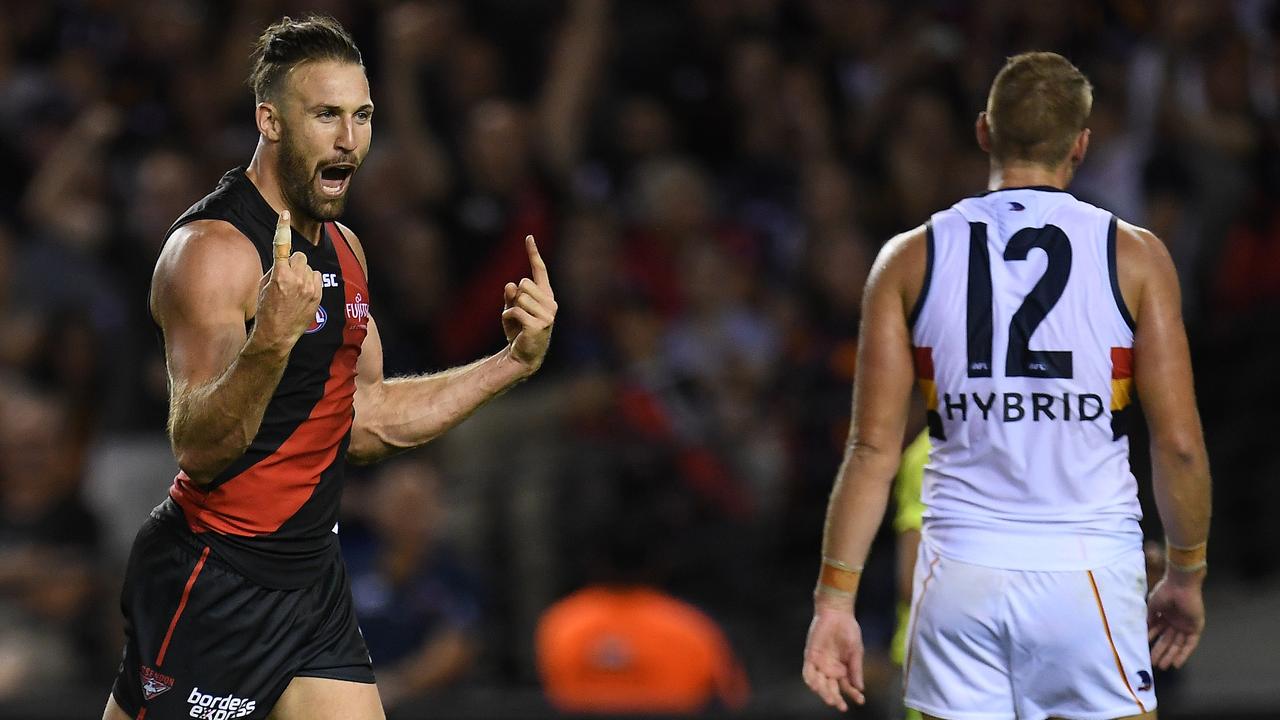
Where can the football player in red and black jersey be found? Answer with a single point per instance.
(235, 599)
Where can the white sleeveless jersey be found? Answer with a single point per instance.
(1023, 351)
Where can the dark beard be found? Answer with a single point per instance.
(296, 182)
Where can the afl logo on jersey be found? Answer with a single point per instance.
(321, 318)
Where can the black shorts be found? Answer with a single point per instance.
(201, 641)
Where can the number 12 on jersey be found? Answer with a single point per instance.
(1020, 360)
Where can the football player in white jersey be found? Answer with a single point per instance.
(1028, 319)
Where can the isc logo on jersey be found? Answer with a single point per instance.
(216, 707)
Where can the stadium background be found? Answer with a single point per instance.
(710, 181)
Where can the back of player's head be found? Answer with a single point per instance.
(290, 43)
(1039, 103)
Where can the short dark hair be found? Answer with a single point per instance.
(290, 43)
(1039, 102)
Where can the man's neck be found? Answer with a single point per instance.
(1013, 175)
(262, 173)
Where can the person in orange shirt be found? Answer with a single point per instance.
(623, 646)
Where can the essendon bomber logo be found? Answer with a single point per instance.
(154, 683)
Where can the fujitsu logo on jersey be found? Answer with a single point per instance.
(218, 707)
(358, 310)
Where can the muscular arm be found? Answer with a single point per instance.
(1179, 463)
(1162, 373)
(396, 414)
(205, 288)
(882, 390)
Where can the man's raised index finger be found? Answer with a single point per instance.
(535, 262)
(283, 242)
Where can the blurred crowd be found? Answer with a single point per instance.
(710, 181)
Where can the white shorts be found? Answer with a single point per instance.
(989, 644)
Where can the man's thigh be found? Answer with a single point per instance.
(113, 711)
(957, 661)
(1080, 645)
(313, 698)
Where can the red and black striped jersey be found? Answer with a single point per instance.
(272, 514)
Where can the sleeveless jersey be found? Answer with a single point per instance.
(1023, 351)
(272, 513)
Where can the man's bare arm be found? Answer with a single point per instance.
(833, 651)
(882, 391)
(1162, 373)
(396, 414)
(1179, 463)
(205, 288)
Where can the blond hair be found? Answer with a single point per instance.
(1038, 104)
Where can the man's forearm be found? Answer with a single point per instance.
(1182, 491)
(857, 506)
(402, 413)
(212, 424)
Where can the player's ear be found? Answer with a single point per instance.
(982, 130)
(267, 117)
(1079, 148)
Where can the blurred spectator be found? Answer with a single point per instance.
(674, 211)
(418, 606)
(590, 281)
(48, 548)
(488, 169)
(819, 364)
(411, 272)
(20, 336)
(622, 645)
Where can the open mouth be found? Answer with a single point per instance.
(334, 178)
